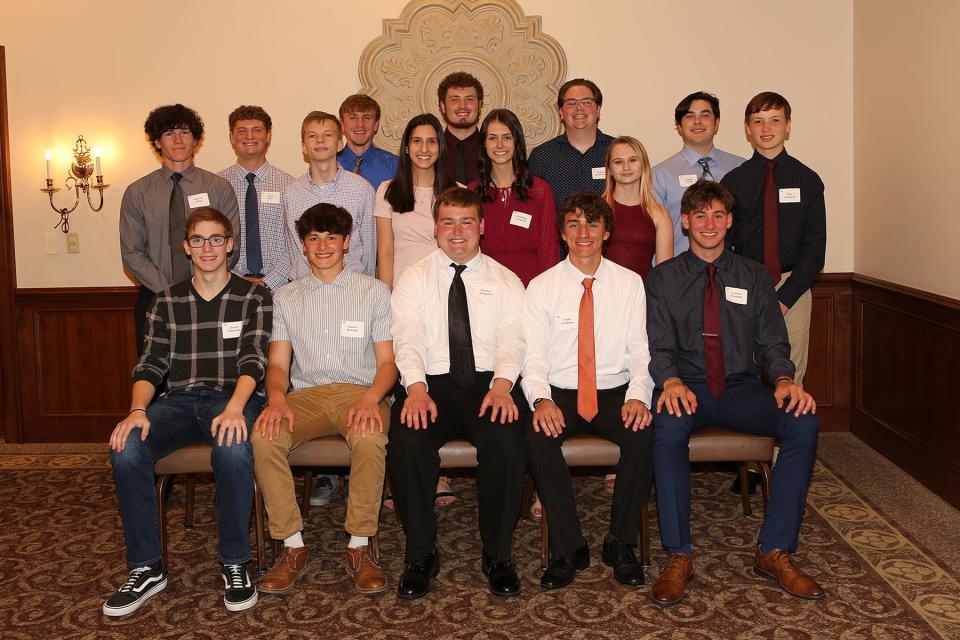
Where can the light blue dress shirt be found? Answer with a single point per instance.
(668, 184)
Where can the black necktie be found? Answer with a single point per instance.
(462, 367)
(461, 162)
(251, 215)
(704, 162)
(179, 263)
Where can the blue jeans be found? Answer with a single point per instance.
(177, 420)
(748, 407)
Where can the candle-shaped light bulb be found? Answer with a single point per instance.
(96, 159)
(48, 156)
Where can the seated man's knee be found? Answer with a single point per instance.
(134, 454)
(802, 428)
(237, 455)
(671, 431)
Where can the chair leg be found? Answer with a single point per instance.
(188, 508)
(307, 490)
(275, 548)
(396, 504)
(544, 538)
(745, 490)
(375, 546)
(765, 482)
(258, 523)
(162, 482)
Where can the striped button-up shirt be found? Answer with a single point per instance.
(332, 327)
(346, 190)
(270, 183)
(207, 344)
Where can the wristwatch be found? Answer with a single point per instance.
(538, 401)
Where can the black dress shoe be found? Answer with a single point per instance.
(415, 581)
(754, 478)
(626, 568)
(563, 569)
(503, 578)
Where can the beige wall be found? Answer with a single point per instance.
(134, 56)
(905, 133)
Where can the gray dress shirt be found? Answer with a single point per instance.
(145, 221)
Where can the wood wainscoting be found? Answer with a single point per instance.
(907, 380)
(77, 349)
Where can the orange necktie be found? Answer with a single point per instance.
(586, 356)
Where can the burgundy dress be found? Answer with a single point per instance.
(521, 235)
(633, 242)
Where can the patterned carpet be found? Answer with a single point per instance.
(61, 546)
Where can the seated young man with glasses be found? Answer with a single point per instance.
(207, 337)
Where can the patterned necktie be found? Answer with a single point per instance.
(705, 165)
(251, 215)
(771, 228)
(356, 164)
(586, 356)
(179, 263)
(712, 344)
(462, 367)
(461, 162)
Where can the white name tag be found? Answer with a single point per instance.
(351, 329)
(735, 295)
(198, 200)
(270, 197)
(566, 320)
(520, 219)
(790, 195)
(231, 329)
(599, 173)
(486, 290)
(687, 179)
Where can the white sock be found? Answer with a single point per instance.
(294, 542)
(357, 541)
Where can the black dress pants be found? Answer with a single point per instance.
(550, 472)
(414, 464)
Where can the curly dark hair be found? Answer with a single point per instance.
(591, 204)
(173, 116)
(459, 79)
(324, 218)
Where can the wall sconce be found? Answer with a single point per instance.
(78, 179)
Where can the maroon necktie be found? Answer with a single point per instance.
(771, 234)
(712, 345)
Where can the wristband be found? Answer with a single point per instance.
(782, 379)
(537, 401)
(138, 409)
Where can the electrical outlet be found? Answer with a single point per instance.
(51, 241)
(73, 242)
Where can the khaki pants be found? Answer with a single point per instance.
(322, 411)
(798, 329)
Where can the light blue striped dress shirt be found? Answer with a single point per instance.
(346, 190)
(332, 327)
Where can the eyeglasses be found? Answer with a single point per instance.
(586, 103)
(215, 241)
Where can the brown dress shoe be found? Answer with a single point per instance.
(778, 565)
(671, 586)
(367, 573)
(285, 570)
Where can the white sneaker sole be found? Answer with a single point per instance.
(241, 606)
(116, 612)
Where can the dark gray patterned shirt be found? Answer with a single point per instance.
(200, 344)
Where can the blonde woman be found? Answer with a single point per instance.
(643, 226)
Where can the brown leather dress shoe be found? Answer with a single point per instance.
(671, 586)
(778, 565)
(285, 570)
(367, 573)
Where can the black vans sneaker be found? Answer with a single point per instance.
(142, 583)
(239, 592)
